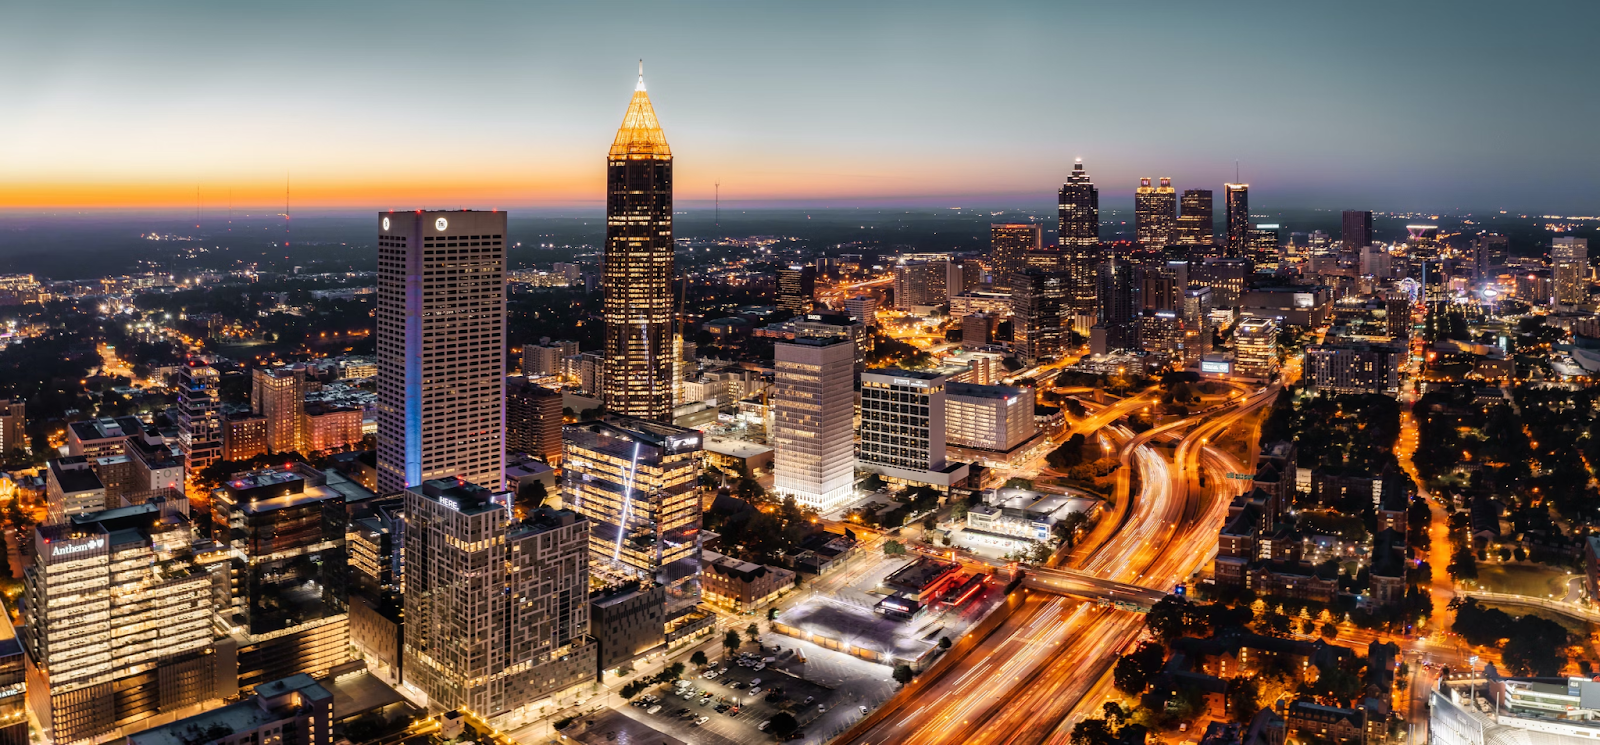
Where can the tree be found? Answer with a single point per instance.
(1068, 455)
(944, 642)
(772, 614)
(1172, 617)
(731, 641)
(894, 548)
(698, 659)
(1135, 669)
(903, 674)
(1462, 565)
(1244, 698)
(1537, 647)
(1330, 631)
(752, 633)
(783, 724)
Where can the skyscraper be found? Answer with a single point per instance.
(1195, 224)
(497, 611)
(1009, 244)
(1489, 253)
(636, 270)
(1357, 231)
(1261, 246)
(1116, 309)
(813, 409)
(902, 426)
(1569, 258)
(797, 288)
(199, 418)
(1238, 214)
(919, 283)
(1155, 211)
(533, 420)
(1037, 310)
(441, 347)
(1079, 212)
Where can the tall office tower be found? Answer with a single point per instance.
(1255, 348)
(14, 724)
(863, 309)
(1161, 287)
(441, 347)
(118, 621)
(1569, 258)
(533, 420)
(285, 530)
(279, 395)
(1155, 213)
(1238, 214)
(1197, 316)
(545, 358)
(797, 288)
(1397, 316)
(813, 415)
(1079, 235)
(1320, 244)
(1261, 246)
(1038, 303)
(1117, 308)
(199, 418)
(1009, 244)
(636, 271)
(902, 426)
(1357, 231)
(497, 609)
(977, 330)
(1196, 222)
(1225, 276)
(1489, 254)
(919, 284)
(638, 483)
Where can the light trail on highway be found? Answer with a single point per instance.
(1000, 693)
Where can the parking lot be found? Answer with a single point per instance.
(811, 702)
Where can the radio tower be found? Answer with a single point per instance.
(286, 212)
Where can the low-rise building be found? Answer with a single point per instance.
(296, 710)
(742, 586)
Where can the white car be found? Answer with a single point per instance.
(755, 691)
(759, 666)
(863, 708)
(701, 720)
(769, 660)
(755, 682)
(653, 709)
(822, 707)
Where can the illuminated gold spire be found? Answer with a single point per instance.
(640, 136)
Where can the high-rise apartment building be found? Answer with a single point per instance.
(13, 425)
(441, 347)
(903, 427)
(813, 412)
(638, 483)
(497, 609)
(1225, 276)
(919, 284)
(863, 309)
(1155, 213)
(279, 395)
(797, 288)
(1357, 230)
(1569, 261)
(962, 276)
(636, 270)
(1238, 214)
(119, 621)
(1355, 368)
(1255, 348)
(1038, 315)
(1196, 221)
(1009, 244)
(199, 416)
(1079, 212)
(544, 359)
(1161, 286)
(1489, 254)
(533, 420)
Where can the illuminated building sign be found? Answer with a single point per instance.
(1215, 366)
(68, 549)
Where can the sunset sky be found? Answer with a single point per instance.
(1473, 105)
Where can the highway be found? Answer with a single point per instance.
(1025, 682)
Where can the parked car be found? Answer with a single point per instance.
(822, 707)
(808, 700)
(863, 708)
(755, 682)
(653, 709)
(701, 720)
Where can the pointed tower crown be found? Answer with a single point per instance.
(640, 136)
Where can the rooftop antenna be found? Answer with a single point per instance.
(1236, 171)
(286, 210)
(718, 197)
(197, 205)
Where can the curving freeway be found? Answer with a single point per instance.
(1031, 678)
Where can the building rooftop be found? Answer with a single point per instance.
(734, 448)
(999, 392)
(244, 716)
(896, 372)
(74, 480)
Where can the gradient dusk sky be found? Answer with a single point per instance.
(1380, 105)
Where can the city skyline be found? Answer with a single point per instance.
(119, 116)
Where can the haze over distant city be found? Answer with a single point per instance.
(1465, 106)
